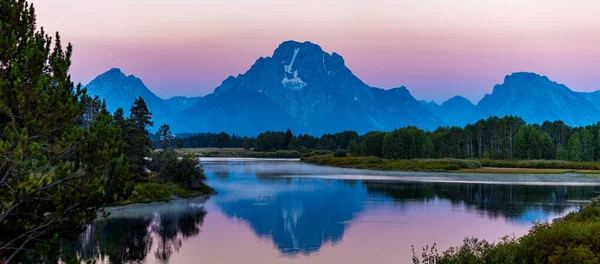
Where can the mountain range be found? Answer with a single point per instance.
(308, 90)
(119, 91)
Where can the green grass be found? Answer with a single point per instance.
(541, 164)
(459, 165)
(318, 153)
(399, 165)
(162, 192)
(276, 154)
(238, 153)
(528, 171)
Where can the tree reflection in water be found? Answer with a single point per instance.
(494, 200)
(302, 214)
(131, 239)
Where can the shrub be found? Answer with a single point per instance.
(149, 192)
(340, 153)
(574, 239)
(288, 154)
(452, 167)
(160, 192)
(318, 153)
(186, 171)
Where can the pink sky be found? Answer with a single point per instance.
(436, 48)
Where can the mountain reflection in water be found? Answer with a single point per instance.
(300, 216)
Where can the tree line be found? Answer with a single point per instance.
(508, 137)
(207, 140)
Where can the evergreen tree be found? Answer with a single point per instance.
(546, 147)
(140, 115)
(392, 145)
(574, 148)
(428, 148)
(57, 156)
(372, 145)
(588, 144)
(531, 143)
(164, 136)
(137, 137)
(221, 140)
(288, 138)
(332, 145)
(354, 148)
(119, 119)
(561, 153)
(247, 143)
(598, 146)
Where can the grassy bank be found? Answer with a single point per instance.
(238, 153)
(390, 165)
(458, 165)
(161, 192)
(572, 239)
(527, 171)
(541, 164)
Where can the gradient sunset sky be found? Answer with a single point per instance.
(436, 48)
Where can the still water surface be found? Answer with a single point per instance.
(283, 211)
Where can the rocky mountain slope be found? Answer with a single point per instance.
(308, 90)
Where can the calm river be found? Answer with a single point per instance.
(284, 211)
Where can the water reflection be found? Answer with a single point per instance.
(131, 235)
(299, 217)
(303, 214)
(298, 221)
(515, 202)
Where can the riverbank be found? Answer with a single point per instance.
(527, 171)
(457, 165)
(151, 192)
(237, 153)
(140, 209)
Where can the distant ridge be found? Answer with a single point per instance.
(536, 99)
(311, 91)
(456, 111)
(120, 91)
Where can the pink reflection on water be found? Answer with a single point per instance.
(377, 235)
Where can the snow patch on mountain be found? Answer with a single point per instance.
(288, 68)
(294, 83)
(325, 67)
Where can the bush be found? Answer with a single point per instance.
(574, 239)
(288, 154)
(149, 192)
(452, 167)
(461, 163)
(187, 171)
(161, 192)
(319, 152)
(340, 153)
